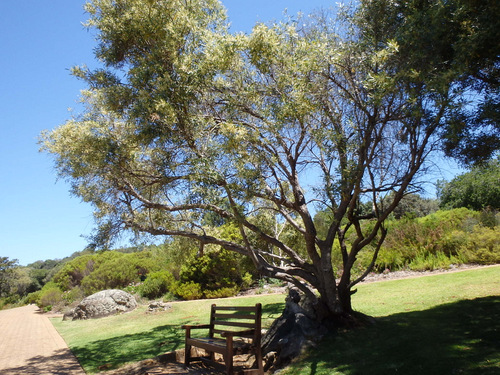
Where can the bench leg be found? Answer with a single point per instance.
(187, 355)
(259, 360)
(228, 359)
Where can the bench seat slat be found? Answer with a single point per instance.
(209, 343)
(233, 324)
(236, 308)
(235, 316)
(223, 331)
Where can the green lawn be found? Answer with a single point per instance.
(134, 336)
(440, 324)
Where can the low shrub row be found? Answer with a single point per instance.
(179, 271)
(439, 240)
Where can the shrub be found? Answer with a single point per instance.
(429, 262)
(430, 242)
(73, 272)
(214, 270)
(246, 281)
(119, 271)
(33, 298)
(75, 294)
(49, 296)
(222, 292)
(483, 246)
(156, 284)
(188, 290)
(114, 274)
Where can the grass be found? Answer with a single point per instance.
(440, 324)
(421, 293)
(113, 341)
(456, 338)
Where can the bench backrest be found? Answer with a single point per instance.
(236, 319)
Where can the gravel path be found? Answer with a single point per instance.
(29, 344)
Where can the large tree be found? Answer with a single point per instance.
(187, 125)
(446, 39)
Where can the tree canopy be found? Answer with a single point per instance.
(456, 39)
(7, 267)
(188, 128)
(477, 189)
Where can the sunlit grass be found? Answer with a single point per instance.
(440, 324)
(420, 293)
(428, 325)
(137, 335)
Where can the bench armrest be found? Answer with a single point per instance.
(188, 326)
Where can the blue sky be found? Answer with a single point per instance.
(40, 41)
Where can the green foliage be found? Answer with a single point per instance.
(6, 269)
(214, 271)
(482, 246)
(73, 272)
(439, 240)
(477, 189)
(414, 205)
(49, 296)
(33, 298)
(223, 292)
(156, 284)
(187, 126)
(442, 40)
(119, 271)
(188, 290)
(105, 270)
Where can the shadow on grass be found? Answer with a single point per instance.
(272, 310)
(456, 338)
(113, 352)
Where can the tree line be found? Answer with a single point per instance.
(423, 234)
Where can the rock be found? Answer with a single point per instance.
(157, 306)
(104, 303)
(294, 330)
(68, 315)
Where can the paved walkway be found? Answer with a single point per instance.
(29, 344)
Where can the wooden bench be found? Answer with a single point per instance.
(226, 324)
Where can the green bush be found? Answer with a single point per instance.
(222, 292)
(213, 271)
(33, 298)
(483, 246)
(430, 242)
(49, 296)
(119, 271)
(429, 262)
(188, 290)
(111, 275)
(73, 272)
(156, 284)
(75, 294)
